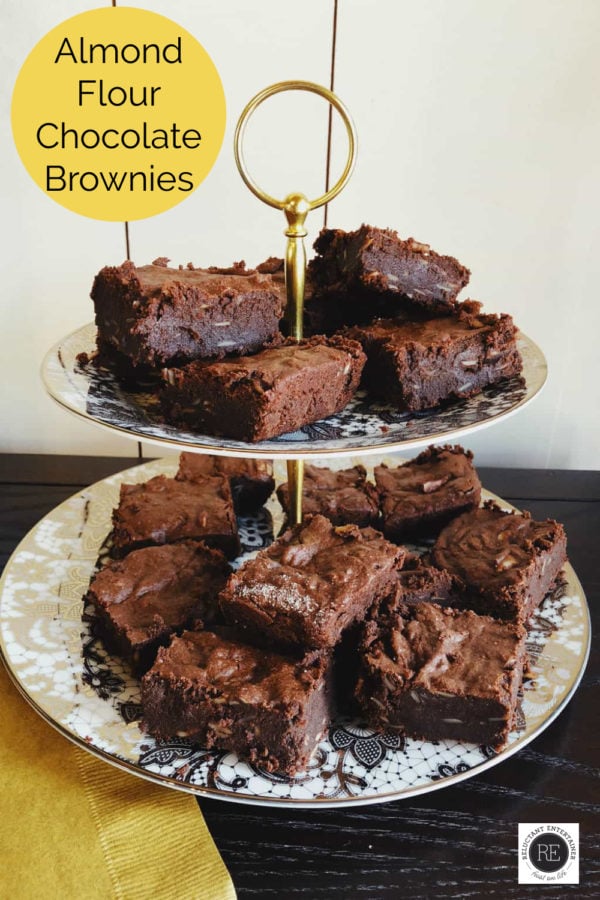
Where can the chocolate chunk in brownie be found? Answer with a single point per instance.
(142, 599)
(345, 496)
(219, 692)
(251, 480)
(417, 364)
(255, 398)
(436, 673)
(506, 562)
(164, 510)
(152, 316)
(311, 584)
(420, 497)
(375, 261)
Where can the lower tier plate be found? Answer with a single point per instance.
(365, 426)
(49, 646)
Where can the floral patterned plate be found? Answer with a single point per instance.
(364, 426)
(51, 650)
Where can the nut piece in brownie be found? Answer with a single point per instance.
(154, 315)
(311, 584)
(345, 497)
(436, 673)
(506, 562)
(142, 599)
(417, 364)
(375, 261)
(164, 510)
(255, 398)
(420, 497)
(219, 692)
(251, 480)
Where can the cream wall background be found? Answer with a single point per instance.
(479, 128)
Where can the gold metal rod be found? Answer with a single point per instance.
(295, 267)
(295, 470)
(296, 209)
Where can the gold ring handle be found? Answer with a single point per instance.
(253, 105)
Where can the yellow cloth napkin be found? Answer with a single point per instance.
(72, 826)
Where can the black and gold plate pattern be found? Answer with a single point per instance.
(49, 644)
(364, 426)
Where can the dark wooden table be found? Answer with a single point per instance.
(456, 842)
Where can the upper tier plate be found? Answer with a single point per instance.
(364, 426)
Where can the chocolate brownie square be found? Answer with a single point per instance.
(311, 584)
(420, 497)
(251, 480)
(255, 398)
(417, 582)
(153, 316)
(164, 510)
(436, 673)
(375, 261)
(141, 600)
(417, 364)
(506, 562)
(345, 497)
(219, 692)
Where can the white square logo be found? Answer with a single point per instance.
(548, 853)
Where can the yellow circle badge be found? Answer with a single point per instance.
(118, 114)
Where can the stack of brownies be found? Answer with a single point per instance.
(334, 613)
(380, 312)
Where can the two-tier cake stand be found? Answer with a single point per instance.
(63, 670)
